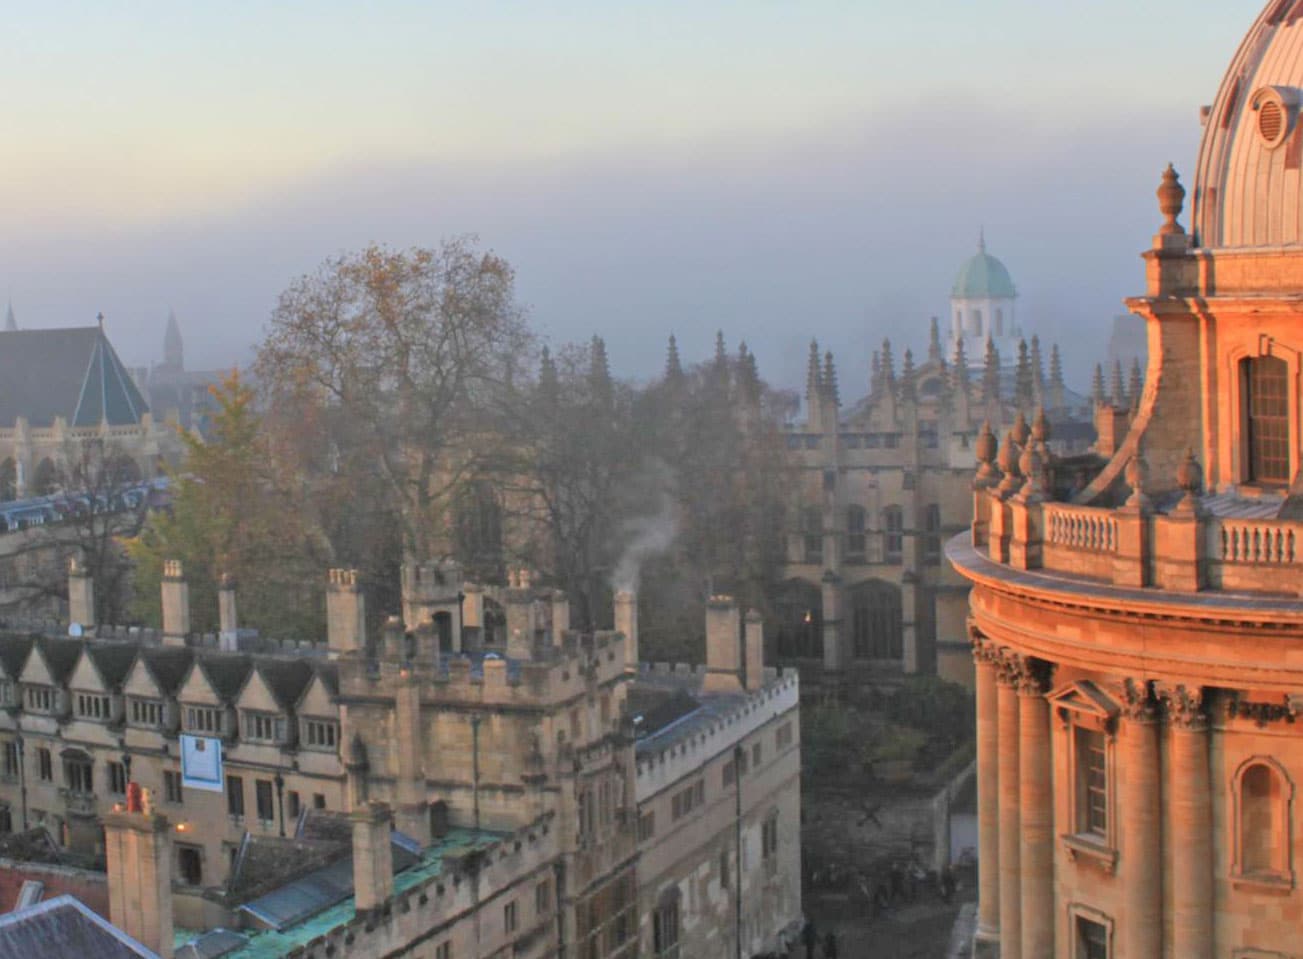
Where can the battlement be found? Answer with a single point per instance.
(684, 746)
(447, 885)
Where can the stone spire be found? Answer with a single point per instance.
(888, 368)
(173, 347)
(934, 343)
(748, 374)
(1135, 384)
(907, 377)
(11, 324)
(1097, 386)
(991, 374)
(673, 365)
(599, 372)
(1118, 396)
(721, 351)
(1038, 371)
(1056, 379)
(959, 367)
(1024, 386)
(813, 377)
(830, 390)
(875, 373)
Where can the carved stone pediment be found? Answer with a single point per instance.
(1085, 703)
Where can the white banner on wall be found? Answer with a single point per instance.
(201, 763)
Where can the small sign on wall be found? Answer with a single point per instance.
(201, 763)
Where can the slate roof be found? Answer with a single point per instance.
(73, 373)
(286, 678)
(226, 673)
(14, 650)
(62, 927)
(168, 665)
(112, 660)
(61, 656)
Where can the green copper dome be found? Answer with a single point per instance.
(983, 277)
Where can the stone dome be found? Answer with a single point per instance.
(1248, 187)
(983, 277)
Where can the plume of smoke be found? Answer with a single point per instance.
(648, 536)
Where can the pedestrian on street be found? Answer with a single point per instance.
(809, 936)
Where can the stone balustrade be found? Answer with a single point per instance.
(1185, 549)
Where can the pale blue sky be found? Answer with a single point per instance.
(777, 169)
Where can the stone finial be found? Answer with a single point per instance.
(1189, 479)
(985, 449)
(1041, 427)
(1137, 476)
(1171, 200)
(1008, 463)
(1032, 465)
(1020, 431)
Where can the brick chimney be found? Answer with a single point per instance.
(723, 646)
(626, 622)
(755, 650)
(176, 603)
(345, 612)
(373, 859)
(228, 622)
(81, 596)
(138, 854)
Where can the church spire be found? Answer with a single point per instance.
(813, 378)
(173, 348)
(934, 342)
(673, 365)
(11, 324)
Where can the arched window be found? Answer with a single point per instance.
(877, 628)
(977, 322)
(1264, 419)
(812, 534)
(479, 530)
(893, 534)
(1262, 794)
(798, 606)
(855, 540)
(999, 322)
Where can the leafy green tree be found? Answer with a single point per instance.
(233, 513)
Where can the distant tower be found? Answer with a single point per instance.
(982, 303)
(173, 349)
(11, 324)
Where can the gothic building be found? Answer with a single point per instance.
(882, 483)
(1137, 630)
(438, 788)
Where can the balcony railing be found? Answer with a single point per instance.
(1269, 542)
(1087, 528)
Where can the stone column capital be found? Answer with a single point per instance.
(1134, 697)
(985, 652)
(1028, 675)
(1184, 705)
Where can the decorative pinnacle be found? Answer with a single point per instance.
(1171, 200)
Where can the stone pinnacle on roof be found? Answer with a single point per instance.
(991, 373)
(888, 367)
(11, 324)
(673, 365)
(1171, 200)
(907, 377)
(934, 342)
(830, 380)
(813, 378)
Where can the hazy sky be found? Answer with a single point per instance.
(778, 170)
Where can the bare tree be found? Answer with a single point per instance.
(397, 362)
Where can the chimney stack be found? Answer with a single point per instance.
(228, 623)
(345, 613)
(373, 859)
(755, 650)
(560, 616)
(522, 622)
(138, 854)
(81, 596)
(176, 603)
(723, 646)
(626, 622)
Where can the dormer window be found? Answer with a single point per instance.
(1265, 419)
(203, 719)
(319, 734)
(7, 692)
(91, 706)
(146, 712)
(42, 699)
(263, 727)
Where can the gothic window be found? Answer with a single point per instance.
(1265, 419)
(78, 773)
(855, 540)
(799, 608)
(812, 533)
(893, 534)
(877, 629)
(478, 529)
(932, 534)
(1261, 796)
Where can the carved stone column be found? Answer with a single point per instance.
(1036, 811)
(1190, 813)
(988, 810)
(1008, 675)
(1140, 824)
